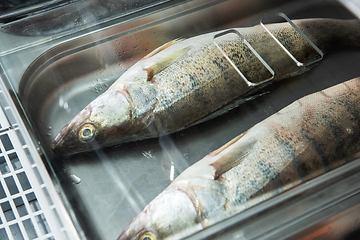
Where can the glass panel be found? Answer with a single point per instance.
(58, 218)
(48, 197)
(3, 101)
(38, 176)
(14, 159)
(33, 202)
(19, 203)
(3, 234)
(11, 185)
(29, 156)
(4, 168)
(25, 184)
(20, 137)
(2, 192)
(30, 229)
(9, 215)
(16, 232)
(44, 226)
(10, 117)
(6, 142)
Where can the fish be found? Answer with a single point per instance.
(309, 137)
(188, 81)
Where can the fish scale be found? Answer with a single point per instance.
(309, 137)
(185, 82)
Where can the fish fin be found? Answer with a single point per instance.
(162, 47)
(164, 63)
(228, 144)
(234, 156)
(214, 164)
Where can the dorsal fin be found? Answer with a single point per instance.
(238, 152)
(164, 63)
(214, 164)
(162, 47)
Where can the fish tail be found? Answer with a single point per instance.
(332, 33)
(349, 34)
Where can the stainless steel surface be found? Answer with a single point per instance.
(64, 16)
(112, 185)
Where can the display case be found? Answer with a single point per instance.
(57, 59)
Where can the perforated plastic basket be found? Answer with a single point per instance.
(30, 205)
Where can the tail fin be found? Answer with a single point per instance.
(330, 34)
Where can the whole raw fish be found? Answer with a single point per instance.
(305, 139)
(185, 82)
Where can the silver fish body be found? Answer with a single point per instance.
(185, 82)
(305, 139)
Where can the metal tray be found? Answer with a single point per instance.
(107, 188)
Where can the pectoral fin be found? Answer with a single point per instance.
(234, 155)
(164, 63)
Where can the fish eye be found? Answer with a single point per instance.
(148, 236)
(87, 133)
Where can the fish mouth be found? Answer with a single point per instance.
(66, 141)
(66, 144)
(60, 144)
(87, 130)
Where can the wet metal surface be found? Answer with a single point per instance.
(107, 188)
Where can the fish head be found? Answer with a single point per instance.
(171, 214)
(96, 125)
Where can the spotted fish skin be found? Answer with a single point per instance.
(185, 82)
(311, 136)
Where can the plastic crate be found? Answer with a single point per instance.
(30, 205)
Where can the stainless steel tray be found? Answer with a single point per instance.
(61, 77)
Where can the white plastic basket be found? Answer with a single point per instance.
(30, 205)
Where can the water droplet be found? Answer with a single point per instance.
(75, 179)
(49, 128)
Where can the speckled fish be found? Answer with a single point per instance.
(188, 81)
(305, 139)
